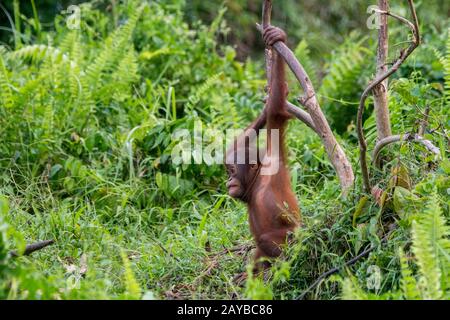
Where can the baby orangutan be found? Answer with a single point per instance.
(264, 182)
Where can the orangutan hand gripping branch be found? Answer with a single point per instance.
(263, 181)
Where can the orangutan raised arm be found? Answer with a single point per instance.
(264, 183)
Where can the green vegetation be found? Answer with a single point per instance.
(86, 118)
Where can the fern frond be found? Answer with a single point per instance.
(439, 55)
(303, 54)
(446, 63)
(76, 52)
(38, 52)
(352, 291)
(339, 92)
(114, 48)
(431, 247)
(133, 290)
(47, 119)
(100, 64)
(6, 92)
(344, 70)
(127, 70)
(408, 283)
(78, 84)
(68, 42)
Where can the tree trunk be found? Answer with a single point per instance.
(380, 92)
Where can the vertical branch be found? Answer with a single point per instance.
(380, 92)
(266, 13)
(424, 122)
(266, 17)
(404, 54)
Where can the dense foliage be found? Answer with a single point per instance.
(86, 123)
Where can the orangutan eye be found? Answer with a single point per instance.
(231, 170)
(253, 166)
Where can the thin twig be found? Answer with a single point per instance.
(400, 18)
(380, 92)
(164, 249)
(30, 248)
(266, 15)
(424, 123)
(404, 54)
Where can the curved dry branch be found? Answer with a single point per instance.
(266, 15)
(404, 54)
(424, 121)
(414, 26)
(298, 70)
(399, 138)
(309, 101)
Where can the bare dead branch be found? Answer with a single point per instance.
(404, 54)
(296, 68)
(266, 16)
(399, 138)
(380, 92)
(335, 152)
(29, 249)
(266, 13)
